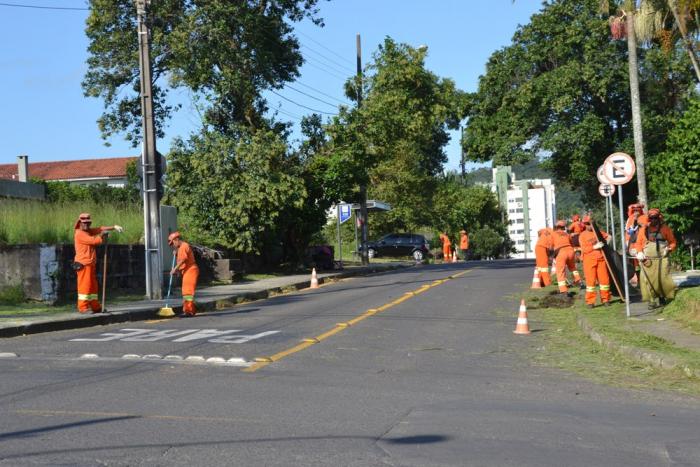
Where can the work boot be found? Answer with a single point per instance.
(653, 305)
(662, 301)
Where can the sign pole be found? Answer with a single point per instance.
(607, 214)
(624, 253)
(612, 221)
(340, 242)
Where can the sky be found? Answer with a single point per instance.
(43, 56)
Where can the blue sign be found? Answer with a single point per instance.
(344, 212)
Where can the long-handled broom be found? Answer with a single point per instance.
(166, 311)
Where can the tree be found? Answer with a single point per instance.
(560, 92)
(395, 142)
(225, 52)
(232, 191)
(675, 173)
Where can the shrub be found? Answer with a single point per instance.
(12, 295)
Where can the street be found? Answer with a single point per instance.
(430, 378)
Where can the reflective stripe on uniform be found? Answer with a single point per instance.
(188, 298)
(83, 296)
(561, 283)
(590, 289)
(605, 287)
(543, 269)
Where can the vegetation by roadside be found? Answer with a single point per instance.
(563, 344)
(685, 309)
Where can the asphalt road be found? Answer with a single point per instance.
(430, 378)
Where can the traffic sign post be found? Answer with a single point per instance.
(606, 190)
(619, 168)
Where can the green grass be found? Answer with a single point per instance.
(33, 309)
(28, 222)
(685, 308)
(12, 295)
(561, 343)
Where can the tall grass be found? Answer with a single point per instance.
(26, 222)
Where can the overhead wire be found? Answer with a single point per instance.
(326, 48)
(335, 65)
(300, 105)
(40, 7)
(322, 93)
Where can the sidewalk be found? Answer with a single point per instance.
(208, 299)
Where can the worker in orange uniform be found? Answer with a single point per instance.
(575, 229)
(543, 250)
(446, 247)
(635, 220)
(564, 256)
(86, 240)
(655, 242)
(595, 270)
(463, 243)
(185, 265)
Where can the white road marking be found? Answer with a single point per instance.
(214, 336)
(8, 355)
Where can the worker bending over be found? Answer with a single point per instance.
(564, 256)
(543, 250)
(185, 265)
(595, 270)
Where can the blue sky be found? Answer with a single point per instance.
(42, 62)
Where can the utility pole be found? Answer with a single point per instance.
(150, 163)
(463, 158)
(363, 186)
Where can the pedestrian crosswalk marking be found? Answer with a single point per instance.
(214, 336)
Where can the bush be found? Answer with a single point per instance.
(12, 295)
(486, 242)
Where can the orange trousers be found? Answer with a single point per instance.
(189, 284)
(446, 251)
(565, 260)
(542, 264)
(595, 270)
(87, 289)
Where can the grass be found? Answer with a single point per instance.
(685, 308)
(12, 295)
(27, 222)
(564, 345)
(33, 309)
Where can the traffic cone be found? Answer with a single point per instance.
(522, 327)
(454, 256)
(314, 279)
(536, 282)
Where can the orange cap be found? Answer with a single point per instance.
(83, 217)
(654, 213)
(560, 224)
(575, 217)
(586, 219)
(173, 236)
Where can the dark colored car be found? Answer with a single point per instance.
(399, 244)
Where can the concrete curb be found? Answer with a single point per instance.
(79, 321)
(649, 357)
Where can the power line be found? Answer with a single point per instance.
(325, 70)
(288, 114)
(323, 46)
(321, 93)
(300, 105)
(309, 95)
(330, 60)
(39, 7)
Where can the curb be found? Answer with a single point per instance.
(78, 321)
(649, 357)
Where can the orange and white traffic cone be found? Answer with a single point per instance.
(522, 327)
(314, 279)
(536, 282)
(454, 256)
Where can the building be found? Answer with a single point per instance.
(110, 171)
(529, 206)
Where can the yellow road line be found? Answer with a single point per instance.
(261, 362)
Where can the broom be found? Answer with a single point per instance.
(166, 311)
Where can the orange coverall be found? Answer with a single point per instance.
(86, 242)
(446, 247)
(464, 244)
(663, 231)
(542, 249)
(575, 230)
(594, 268)
(564, 254)
(190, 273)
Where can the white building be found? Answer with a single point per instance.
(529, 205)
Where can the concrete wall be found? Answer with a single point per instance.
(45, 272)
(13, 189)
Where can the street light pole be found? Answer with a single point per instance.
(363, 187)
(150, 162)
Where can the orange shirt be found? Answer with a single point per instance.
(445, 240)
(186, 256)
(646, 232)
(577, 227)
(545, 239)
(560, 239)
(85, 243)
(587, 239)
(464, 241)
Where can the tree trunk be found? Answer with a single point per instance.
(636, 107)
(686, 40)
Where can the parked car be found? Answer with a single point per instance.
(399, 244)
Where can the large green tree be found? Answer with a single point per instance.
(225, 52)
(561, 90)
(395, 140)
